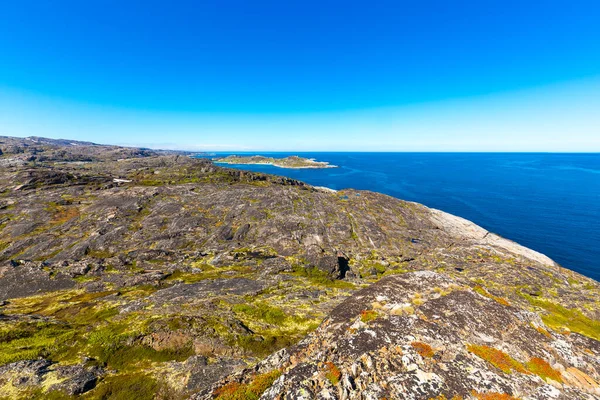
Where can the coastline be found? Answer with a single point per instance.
(278, 166)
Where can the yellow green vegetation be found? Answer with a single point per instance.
(209, 272)
(69, 313)
(247, 391)
(558, 316)
(30, 340)
(542, 369)
(483, 291)
(320, 278)
(417, 299)
(122, 351)
(367, 316)
(262, 311)
(423, 349)
(79, 323)
(273, 328)
(333, 373)
(124, 387)
(497, 358)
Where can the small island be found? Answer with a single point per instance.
(286, 162)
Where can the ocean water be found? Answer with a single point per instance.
(547, 202)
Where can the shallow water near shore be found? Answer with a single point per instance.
(548, 202)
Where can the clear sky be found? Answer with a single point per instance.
(304, 75)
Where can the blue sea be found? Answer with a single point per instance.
(548, 202)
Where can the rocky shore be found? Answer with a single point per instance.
(134, 273)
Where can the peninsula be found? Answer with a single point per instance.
(139, 274)
(294, 162)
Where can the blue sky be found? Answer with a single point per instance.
(326, 75)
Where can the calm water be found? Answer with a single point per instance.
(548, 202)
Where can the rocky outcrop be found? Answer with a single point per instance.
(169, 276)
(423, 335)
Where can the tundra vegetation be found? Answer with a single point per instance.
(132, 273)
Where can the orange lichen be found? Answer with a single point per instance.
(544, 370)
(497, 358)
(64, 214)
(423, 349)
(483, 291)
(333, 373)
(492, 396)
(227, 390)
(252, 390)
(543, 331)
(367, 316)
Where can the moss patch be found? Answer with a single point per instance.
(124, 387)
(558, 316)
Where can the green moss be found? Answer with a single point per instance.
(84, 278)
(25, 340)
(124, 352)
(187, 277)
(558, 316)
(101, 254)
(39, 394)
(262, 345)
(262, 311)
(320, 278)
(124, 387)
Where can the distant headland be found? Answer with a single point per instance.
(286, 162)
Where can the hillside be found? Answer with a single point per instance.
(134, 273)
